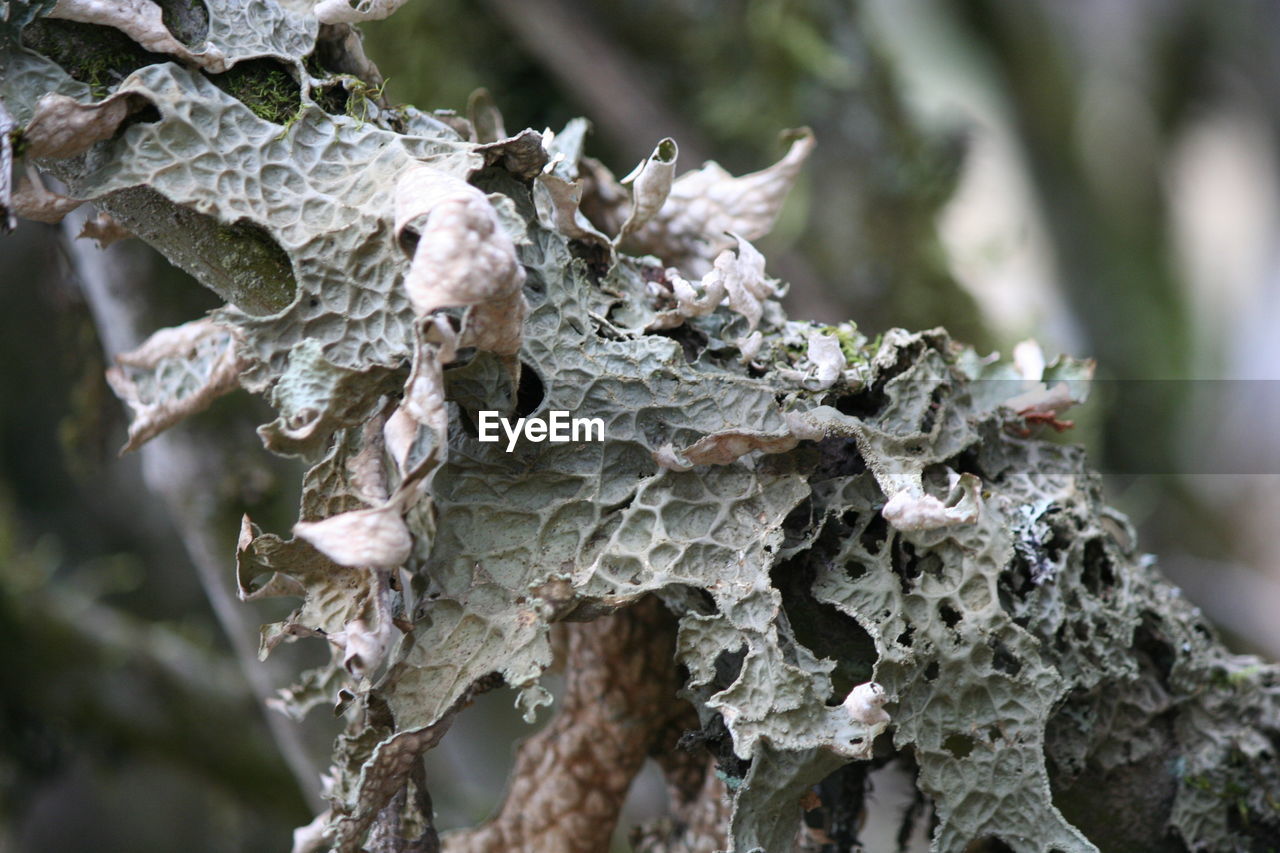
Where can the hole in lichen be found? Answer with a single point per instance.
(838, 457)
(332, 97)
(905, 638)
(1061, 533)
(1015, 581)
(988, 844)
(265, 86)
(1148, 640)
(993, 734)
(823, 628)
(1002, 660)
(1098, 573)
(727, 666)
(931, 671)
(935, 406)
(874, 534)
(530, 392)
(931, 564)
(967, 463)
(795, 527)
(959, 745)
(486, 736)
(905, 564)
(950, 616)
(865, 403)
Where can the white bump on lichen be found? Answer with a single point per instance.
(913, 509)
(865, 704)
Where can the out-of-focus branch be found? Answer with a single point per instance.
(175, 469)
(613, 87)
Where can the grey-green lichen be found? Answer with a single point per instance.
(818, 509)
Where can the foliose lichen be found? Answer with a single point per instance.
(757, 475)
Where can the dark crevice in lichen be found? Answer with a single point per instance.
(265, 86)
(530, 392)
(838, 457)
(842, 795)
(692, 342)
(332, 97)
(1149, 640)
(936, 399)
(874, 533)
(1003, 660)
(1098, 574)
(716, 738)
(95, 55)
(864, 403)
(823, 628)
(959, 745)
(796, 526)
(905, 564)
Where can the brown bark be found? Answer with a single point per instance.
(571, 778)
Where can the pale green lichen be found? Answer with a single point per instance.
(1031, 656)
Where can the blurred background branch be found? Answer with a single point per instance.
(1101, 175)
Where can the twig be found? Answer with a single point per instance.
(613, 88)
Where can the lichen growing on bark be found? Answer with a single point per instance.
(813, 510)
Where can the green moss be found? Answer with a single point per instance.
(264, 86)
(1244, 675)
(852, 342)
(98, 56)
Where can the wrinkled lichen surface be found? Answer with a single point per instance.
(816, 510)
